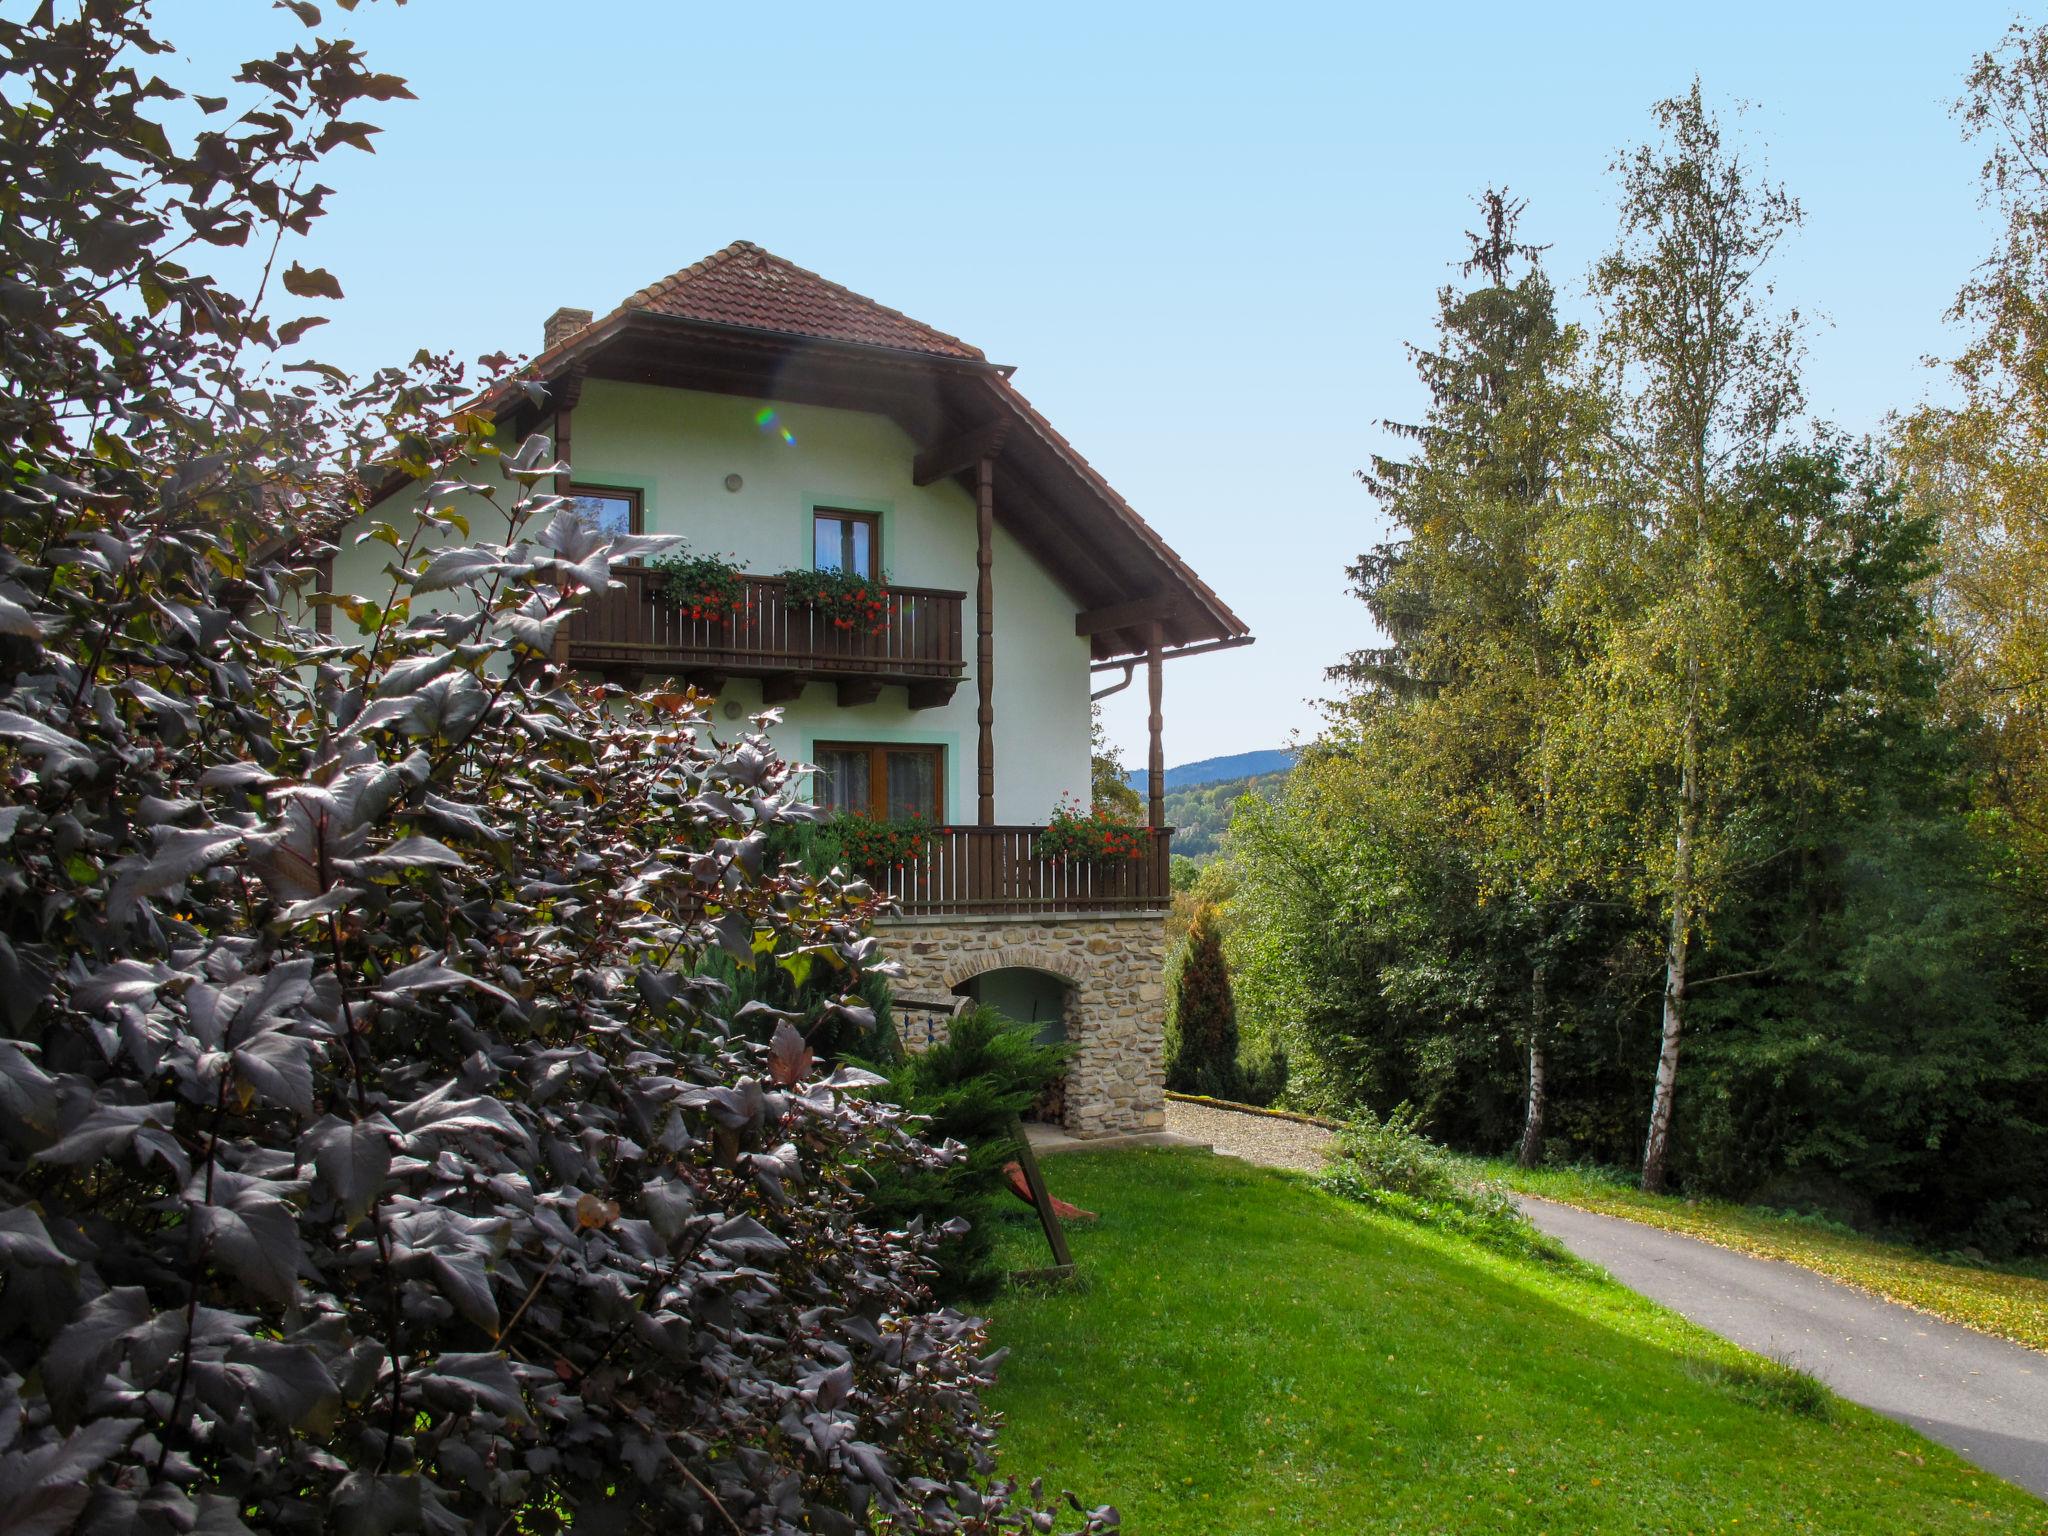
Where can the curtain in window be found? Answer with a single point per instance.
(842, 781)
(913, 785)
(843, 544)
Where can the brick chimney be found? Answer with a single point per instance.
(563, 324)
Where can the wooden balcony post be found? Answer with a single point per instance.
(985, 640)
(568, 390)
(1155, 759)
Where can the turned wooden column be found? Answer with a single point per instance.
(567, 391)
(1155, 763)
(985, 640)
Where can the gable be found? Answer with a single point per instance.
(746, 322)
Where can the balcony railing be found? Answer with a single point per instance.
(631, 629)
(994, 870)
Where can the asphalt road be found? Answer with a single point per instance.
(1982, 1397)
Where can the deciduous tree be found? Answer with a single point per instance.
(1701, 371)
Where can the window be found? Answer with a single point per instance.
(846, 541)
(888, 781)
(608, 509)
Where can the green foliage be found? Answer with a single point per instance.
(843, 1014)
(1109, 782)
(1097, 835)
(968, 1089)
(853, 841)
(1391, 1154)
(1662, 744)
(1389, 1164)
(871, 846)
(706, 588)
(847, 600)
(1772, 1385)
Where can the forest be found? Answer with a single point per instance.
(1692, 815)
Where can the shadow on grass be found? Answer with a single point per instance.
(1249, 1353)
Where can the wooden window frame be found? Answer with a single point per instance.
(850, 515)
(629, 493)
(323, 584)
(878, 772)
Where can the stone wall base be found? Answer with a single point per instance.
(1115, 966)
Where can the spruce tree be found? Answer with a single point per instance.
(1471, 669)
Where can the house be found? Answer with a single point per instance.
(788, 424)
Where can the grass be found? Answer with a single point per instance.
(1245, 1353)
(2008, 1301)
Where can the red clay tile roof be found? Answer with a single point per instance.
(744, 285)
(748, 287)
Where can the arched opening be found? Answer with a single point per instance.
(1034, 997)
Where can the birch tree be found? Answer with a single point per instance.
(1701, 369)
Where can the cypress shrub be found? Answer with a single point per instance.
(1202, 1054)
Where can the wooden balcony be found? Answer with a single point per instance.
(629, 630)
(986, 871)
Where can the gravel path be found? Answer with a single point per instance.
(1263, 1139)
(1982, 1397)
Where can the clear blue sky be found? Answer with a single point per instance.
(1202, 235)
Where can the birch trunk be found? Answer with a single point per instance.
(1677, 948)
(1530, 1149)
(1532, 1120)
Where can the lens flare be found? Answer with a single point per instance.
(771, 425)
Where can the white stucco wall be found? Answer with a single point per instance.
(678, 446)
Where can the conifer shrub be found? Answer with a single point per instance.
(1202, 1039)
(968, 1089)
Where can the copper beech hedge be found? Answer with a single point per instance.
(373, 1158)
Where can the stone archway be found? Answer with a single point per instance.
(1114, 966)
(1018, 984)
(1014, 957)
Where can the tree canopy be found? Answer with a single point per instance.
(1693, 784)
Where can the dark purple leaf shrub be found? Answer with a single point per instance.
(372, 1157)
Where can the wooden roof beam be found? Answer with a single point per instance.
(1158, 608)
(961, 451)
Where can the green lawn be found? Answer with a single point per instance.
(2010, 1302)
(1246, 1354)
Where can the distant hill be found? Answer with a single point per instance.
(1215, 770)
(1200, 813)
